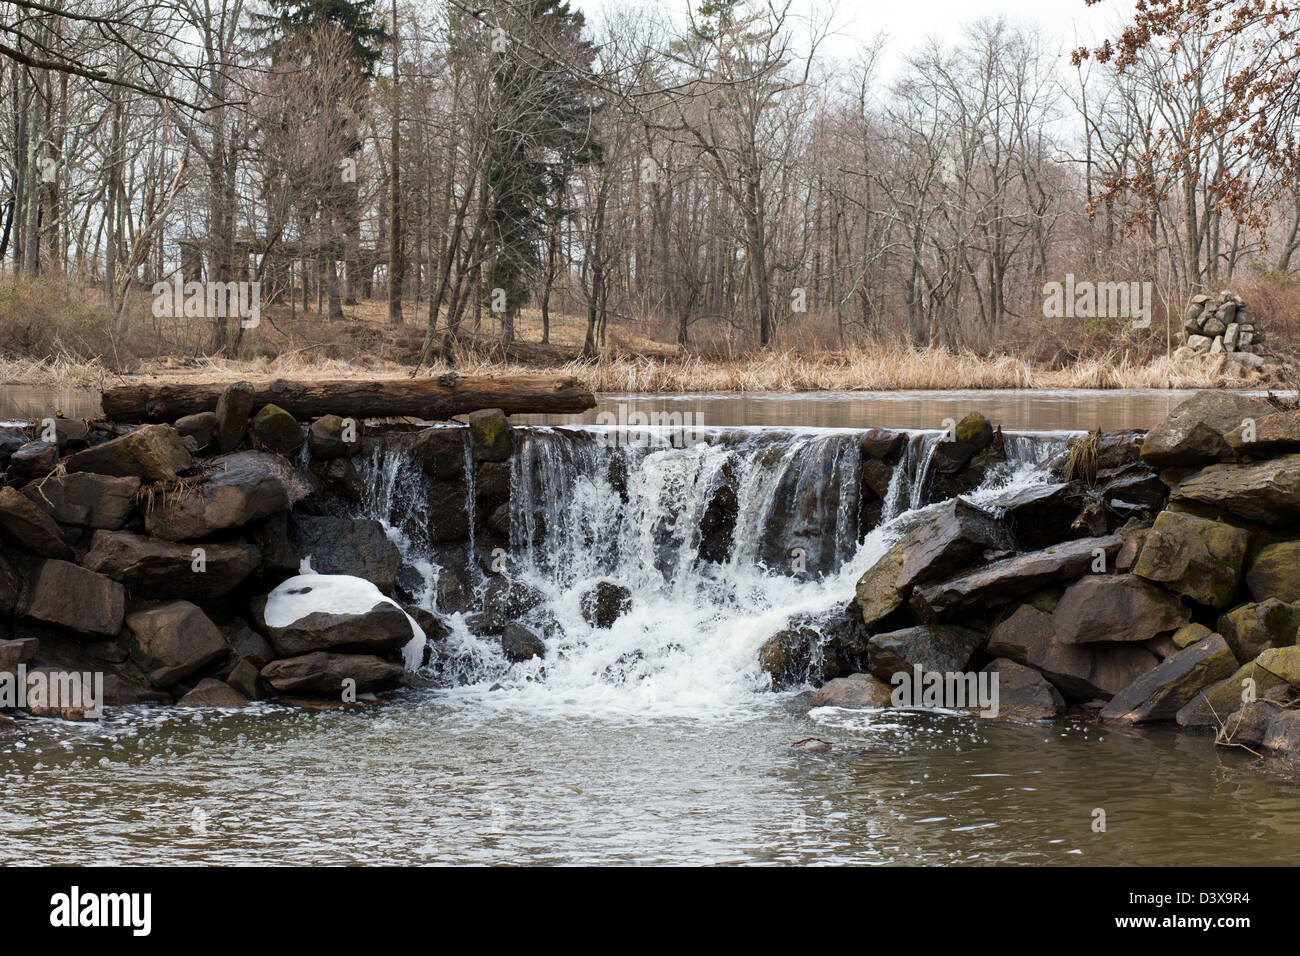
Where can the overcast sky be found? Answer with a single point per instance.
(909, 23)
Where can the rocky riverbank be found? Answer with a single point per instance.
(222, 559)
(1153, 579)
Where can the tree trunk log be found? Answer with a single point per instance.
(432, 399)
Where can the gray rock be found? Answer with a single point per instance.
(31, 461)
(233, 409)
(322, 674)
(1023, 692)
(1248, 727)
(1252, 628)
(1002, 582)
(236, 493)
(326, 438)
(276, 430)
(1162, 693)
(203, 427)
(151, 452)
(171, 641)
(383, 627)
(490, 435)
(1116, 607)
(1193, 556)
(211, 692)
(942, 648)
(1283, 735)
(86, 499)
(68, 596)
(855, 690)
(1080, 671)
(355, 546)
(29, 526)
(520, 643)
(605, 603)
(1194, 433)
(153, 568)
(1275, 572)
(1260, 491)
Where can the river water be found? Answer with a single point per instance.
(657, 740)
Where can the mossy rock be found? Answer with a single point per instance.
(276, 430)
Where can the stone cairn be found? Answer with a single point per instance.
(1222, 325)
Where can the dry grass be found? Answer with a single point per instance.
(54, 332)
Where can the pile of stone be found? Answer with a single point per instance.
(1164, 588)
(1222, 325)
(146, 555)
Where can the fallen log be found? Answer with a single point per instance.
(432, 399)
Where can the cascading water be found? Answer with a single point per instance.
(720, 543)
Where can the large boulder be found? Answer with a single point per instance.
(1266, 491)
(11, 587)
(1284, 662)
(1043, 515)
(314, 612)
(276, 430)
(326, 675)
(945, 539)
(30, 527)
(1275, 572)
(171, 641)
(1283, 734)
(86, 499)
(1004, 581)
(815, 648)
(233, 409)
(1252, 628)
(1116, 607)
(237, 491)
(942, 648)
(1211, 706)
(1080, 671)
(153, 568)
(440, 450)
(1272, 435)
(855, 690)
(1196, 431)
(1194, 557)
(151, 452)
(66, 595)
(1023, 692)
(355, 546)
(1163, 692)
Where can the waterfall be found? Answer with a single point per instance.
(720, 543)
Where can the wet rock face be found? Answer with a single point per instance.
(814, 650)
(520, 643)
(490, 435)
(943, 648)
(605, 603)
(355, 546)
(151, 452)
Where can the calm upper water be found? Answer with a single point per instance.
(564, 773)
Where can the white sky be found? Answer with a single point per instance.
(909, 23)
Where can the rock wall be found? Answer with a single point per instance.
(1161, 587)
